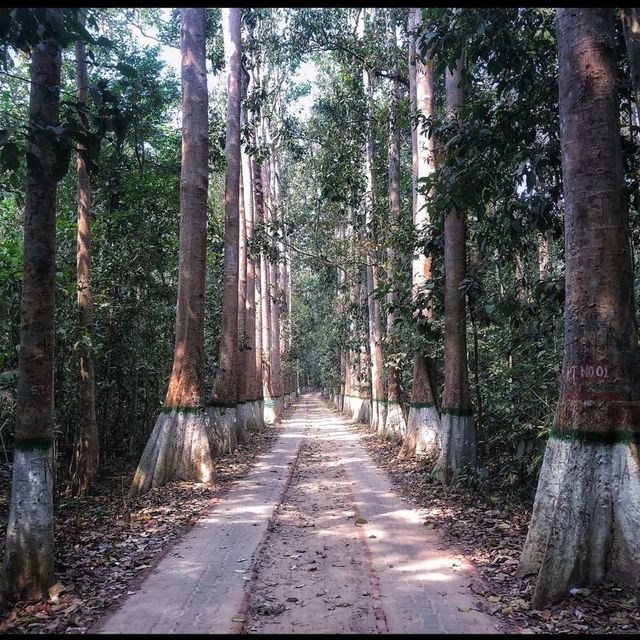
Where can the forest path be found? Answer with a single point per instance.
(313, 539)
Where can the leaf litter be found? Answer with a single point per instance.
(492, 540)
(106, 544)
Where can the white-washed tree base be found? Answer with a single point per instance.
(395, 426)
(269, 413)
(378, 416)
(458, 445)
(586, 518)
(355, 405)
(292, 398)
(178, 449)
(338, 401)
(364, 415)
(257, 412)
(222, 431)
(286, 401)
(244, 420)
(28, 558)
(423, 433)
(278, 406)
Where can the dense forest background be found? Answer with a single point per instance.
(501, 165)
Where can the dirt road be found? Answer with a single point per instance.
(314, 539)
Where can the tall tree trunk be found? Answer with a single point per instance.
(423, 424)
(458, 442)
(364, 416)
(378, 406)
(262, 369)
(355, 396)
(292, 385)
(179, 448)
(281, 284)
(29, 550)
(254, 408)
(222, 406)
(276, 378)
(262, 182)
(84, 464)
(242, 407)
(586, 515)
(395, 424)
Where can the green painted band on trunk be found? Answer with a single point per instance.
(181, 409)
(462, 413)
(422, 405)
(593, 437)
(27, 444)
(217, 403)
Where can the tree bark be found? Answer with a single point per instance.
(179, 448)
(274, 285)
(28, 570)
(544, 256)
(586, 513)
(458, 446)
(84, 464)
(378, 406)
(222, 406)
(254, 418)
(395, 425)
(242, 417)
(423, 424)
(262, 179)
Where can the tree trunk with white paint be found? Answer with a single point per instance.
(457, 439)
(179, 448)
(222, 406)
(586, 514)
(423, 423)
(252, 401)
(276, 377)
(242, 408)
(378, 406)
(395, 425)
(28, 570)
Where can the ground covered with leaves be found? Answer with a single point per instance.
(106, 544)
(489, 522)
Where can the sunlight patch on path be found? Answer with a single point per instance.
(198, 586)
(425, 586)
